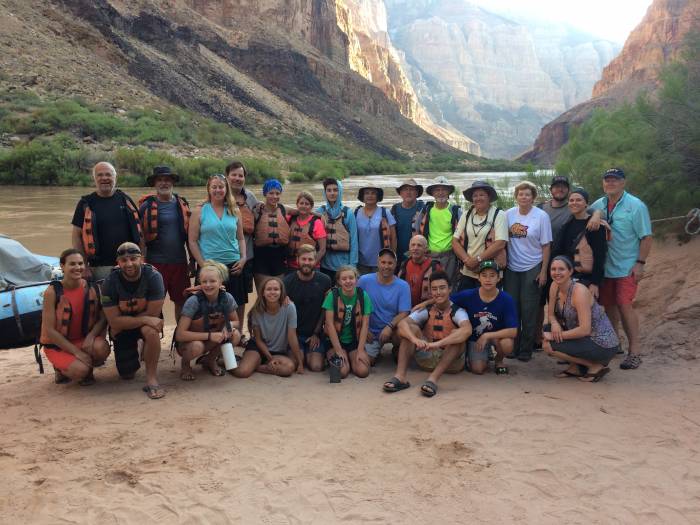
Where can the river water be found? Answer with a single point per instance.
(39, 217)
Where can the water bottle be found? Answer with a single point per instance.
(229, 356)
(335, 363)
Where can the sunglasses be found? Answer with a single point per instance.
(218, 176)
(128, 251)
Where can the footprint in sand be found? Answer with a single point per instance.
(115, 477)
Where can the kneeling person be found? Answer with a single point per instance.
(132, 298)
(208, 320)
(435, 335)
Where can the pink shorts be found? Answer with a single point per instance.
(176, 279)
(616, 291)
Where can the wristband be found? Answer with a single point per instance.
(208, 336)
(639, 261)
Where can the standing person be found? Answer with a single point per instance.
(493, 318)
(437, 223)
(435, 335)
(102, 221)
(529, 249)
(586, 248)
(165, 221)
(416, 270)
(628, 251)
(246, 202)
(391, 302)
(271, 234)
(376, 228)
(307, 288)
(305, 228)
(348, 308)
(404, 213)
(274, 335)
(580, 333)
(556, 207)
(72, 323)
(208, 320)
(341, 230)
(132, 299)
(216, 234)
(481, 234)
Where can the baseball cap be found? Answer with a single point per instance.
(559, 179)
(614, 172)
(489, 265)
(387, 250)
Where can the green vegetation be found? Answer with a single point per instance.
(57, 141)
(656, 143)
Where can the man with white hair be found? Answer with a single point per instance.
(102, 221)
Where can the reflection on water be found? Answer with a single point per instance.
(39, 217)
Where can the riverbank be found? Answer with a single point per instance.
(527, 447)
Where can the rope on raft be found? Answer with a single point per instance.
(693, 216)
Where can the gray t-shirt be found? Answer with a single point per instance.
(192, 309)
(169, 246)
(274, 327)
(558, 217)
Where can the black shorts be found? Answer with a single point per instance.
(126, 353)
(247, 276)
(236, 286)
(269, 260)
(252, 347)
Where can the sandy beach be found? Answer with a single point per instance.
(526, 448)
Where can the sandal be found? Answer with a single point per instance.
(582, 371)
(395, 385)
(594, 378)
(59, 378)
(501, 370)
(88, 380)
(154, 391)
(428, 389)
(631, 362)
(187, 375)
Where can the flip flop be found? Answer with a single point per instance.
(154, 391)
(594, 378)
(428, 389)
(501, 370)
(395, 385)
(88, 380)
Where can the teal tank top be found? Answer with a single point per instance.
(217, 237)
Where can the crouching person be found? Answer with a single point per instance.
(73, 324)
(132, 298)
(435, 336)
(208, 320)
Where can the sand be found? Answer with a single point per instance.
(525, 448)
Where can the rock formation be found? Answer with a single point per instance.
(653, 43)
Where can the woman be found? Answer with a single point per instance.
(530, 235)
(587, 249)
(208, 320)
(72, 323)
(274, 322)
(271, 235)
(216, 234)
(376, 228)
(341, 230)
(348, 333)
(580, 332)
(305, 228)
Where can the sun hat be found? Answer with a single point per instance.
(162, 171)
(361, 193)
(480, 185)
(413, 184)
(440, 180)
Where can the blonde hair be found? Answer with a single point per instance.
(217, 267)
(346, 268)
(525, 185)
(260, 306)
(305, 195)
(305, 248)
(229, 201)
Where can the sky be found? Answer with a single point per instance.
(609, 19)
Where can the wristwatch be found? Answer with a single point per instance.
(478, 259)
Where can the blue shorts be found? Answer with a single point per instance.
(304, 345)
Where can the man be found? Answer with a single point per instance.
(437, 223)
(557, 207)
(165, 219)
(481, 234)
(102, 221)
(341, 230)
(132, 299)
(404, 213)
(307, 288)
(628, 250)
(493, 317)
(435, 335)
(391, 302)
(417, 269)
(236, 174)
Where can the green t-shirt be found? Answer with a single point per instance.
(347, 330)
(440, 235)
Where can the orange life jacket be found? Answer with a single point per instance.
(337, 233)
(212, 319)
(271, 229)
(339, 311)
(427, 268)
(64, 311)
(501, 258)
(299, 235)
(89, 227)
(247, 217)
(440, 323)
(149, 219)
(133, 303)
(384, 237)
(423, 225)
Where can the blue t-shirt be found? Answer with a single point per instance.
(169, 246)
(404, 226)
(368, 235)
(388, 300)
(630, 223)
(487, 317)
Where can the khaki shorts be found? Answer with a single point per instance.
(428, 360)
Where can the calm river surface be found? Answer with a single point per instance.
(39, 217)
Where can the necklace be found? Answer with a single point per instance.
(480, 225)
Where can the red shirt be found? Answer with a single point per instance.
(414, 278)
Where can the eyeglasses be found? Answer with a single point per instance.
(128, 251)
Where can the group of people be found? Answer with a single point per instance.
(446, 288)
